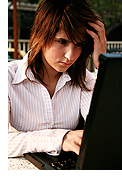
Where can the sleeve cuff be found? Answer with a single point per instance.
(51, 143)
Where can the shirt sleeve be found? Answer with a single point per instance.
(47, 140)
(86, 96)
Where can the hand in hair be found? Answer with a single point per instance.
(99, 40)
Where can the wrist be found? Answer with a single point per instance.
(96, 67)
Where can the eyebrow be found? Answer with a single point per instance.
(61, 38)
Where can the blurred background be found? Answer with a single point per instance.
(21, 16)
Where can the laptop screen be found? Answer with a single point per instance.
(102, 142)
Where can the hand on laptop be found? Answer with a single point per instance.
(72, 141)
(99, 40)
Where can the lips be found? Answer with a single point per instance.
(65, 64)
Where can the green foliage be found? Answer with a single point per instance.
(38, 3)
(110, 11)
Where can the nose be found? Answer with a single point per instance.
(70, 52)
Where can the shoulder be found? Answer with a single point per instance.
(90, 80)
(13, 65)
(89, 75)
(12, 68)
(16, 67)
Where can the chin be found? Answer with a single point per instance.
(61, 70)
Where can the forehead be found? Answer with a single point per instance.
(61, 34)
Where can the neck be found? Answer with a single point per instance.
(50, 74)
(50, 77)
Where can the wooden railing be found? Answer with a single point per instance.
(22, 46)
(112, 47)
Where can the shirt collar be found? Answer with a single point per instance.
(64, 78)
(20, 74)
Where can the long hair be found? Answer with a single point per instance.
(72, 16)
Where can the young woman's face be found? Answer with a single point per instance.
(62, 53)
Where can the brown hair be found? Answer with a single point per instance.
(72, 16)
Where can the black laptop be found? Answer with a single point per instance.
(101, 148)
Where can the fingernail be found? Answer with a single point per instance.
(87, 30)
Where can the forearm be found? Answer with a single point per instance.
(37, 141)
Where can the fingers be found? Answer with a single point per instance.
(72, 141)
(93, 35)
(100, 37)
(99, 27)
(99, 40)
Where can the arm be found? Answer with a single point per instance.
(73, 139)
(99, 41)
(37, 141)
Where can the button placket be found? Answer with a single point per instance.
(50, 124)
(48, 108)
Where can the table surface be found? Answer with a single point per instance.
(20, 163)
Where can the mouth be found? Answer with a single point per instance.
(65, 64)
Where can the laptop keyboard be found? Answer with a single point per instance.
(68, 164)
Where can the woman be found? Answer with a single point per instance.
(49, 87)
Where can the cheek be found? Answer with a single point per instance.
(48, 55)
(78, 52)
(52, 54)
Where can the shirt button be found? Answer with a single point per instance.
(51, 125)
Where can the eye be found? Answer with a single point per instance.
(79, 44)
(62, 41)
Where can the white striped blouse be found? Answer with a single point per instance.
(38, 123)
